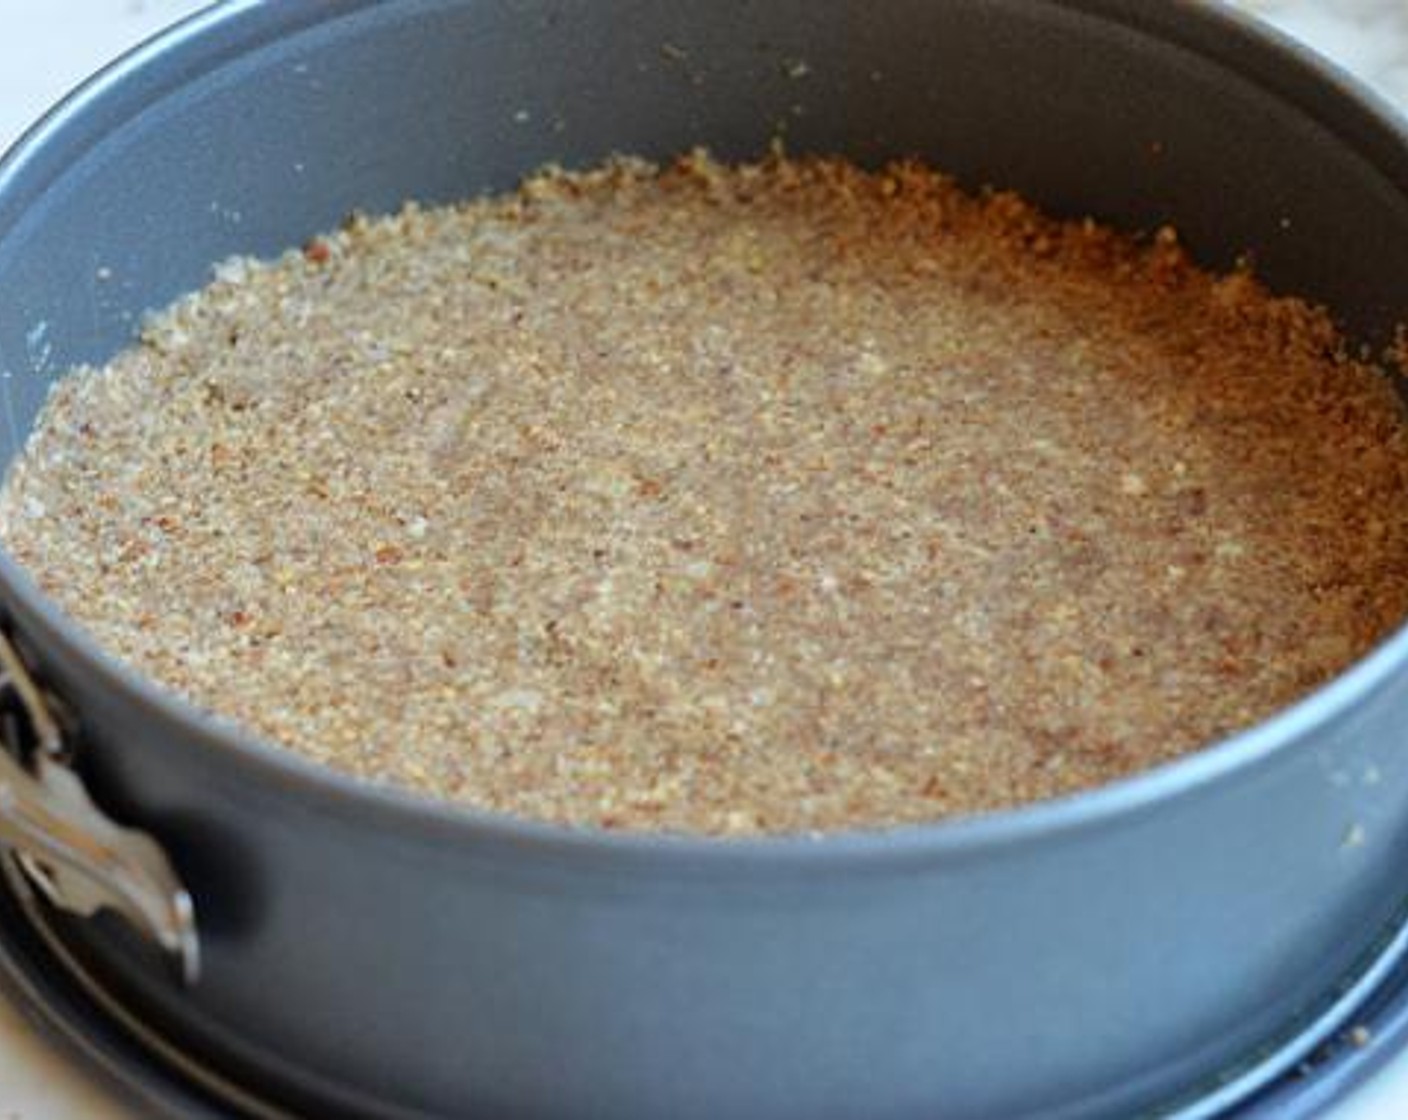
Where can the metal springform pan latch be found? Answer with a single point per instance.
(69, 851)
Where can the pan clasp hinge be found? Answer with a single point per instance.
(71, 852)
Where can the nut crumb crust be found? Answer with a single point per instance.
(784, 497)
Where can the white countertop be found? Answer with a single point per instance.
(49, 45)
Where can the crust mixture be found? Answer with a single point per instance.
(775, 498)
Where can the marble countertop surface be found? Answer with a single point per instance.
(49, 45)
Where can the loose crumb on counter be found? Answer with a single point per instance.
(785, 497)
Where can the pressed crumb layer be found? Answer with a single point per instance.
(774, 498)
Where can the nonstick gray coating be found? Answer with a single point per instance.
(377, 955)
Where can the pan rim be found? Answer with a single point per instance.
(232, 28)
